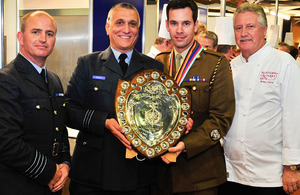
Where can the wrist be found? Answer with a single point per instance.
(68, 164)
(294, 167)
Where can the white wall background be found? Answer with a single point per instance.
(53, 4)
(151, 23)
(10, 28)
(10, 16)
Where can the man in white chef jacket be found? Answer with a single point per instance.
(262, 147)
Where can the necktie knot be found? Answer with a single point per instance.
(123, 56)
(122, 62)
(178, 56)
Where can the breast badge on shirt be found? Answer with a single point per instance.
(59, 95)
(268, 77)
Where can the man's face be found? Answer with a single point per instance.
(249, 33)
(123, 29)
(206, 42)
(181, 27)
(38, 39)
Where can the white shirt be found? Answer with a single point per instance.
(298, 60)
(265, 133)
(153, 52)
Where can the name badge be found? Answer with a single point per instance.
(98, 77)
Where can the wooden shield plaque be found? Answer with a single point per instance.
(153, 110)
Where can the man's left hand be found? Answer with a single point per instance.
(64, 168)
(290, 180)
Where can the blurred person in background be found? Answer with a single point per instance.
(160, 45)
(209, 40)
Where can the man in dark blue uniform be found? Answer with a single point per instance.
(99, 165)
(34, 147)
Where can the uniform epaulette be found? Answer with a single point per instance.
(205, 50)
(164, 52)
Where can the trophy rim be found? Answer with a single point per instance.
(125, 88)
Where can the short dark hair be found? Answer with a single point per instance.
(180, 4)
(224, 48)
(294, 51)
(283, 44)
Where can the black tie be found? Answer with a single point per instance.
(43, 75)
(122, 62)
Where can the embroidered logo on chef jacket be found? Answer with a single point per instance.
(268, 76)
(215, 135)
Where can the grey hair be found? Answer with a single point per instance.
(251, 7)
(122, 5)
(210, 35)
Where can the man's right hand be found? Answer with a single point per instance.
(117, 131)
(55, 178)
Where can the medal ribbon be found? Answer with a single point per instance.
(191, 56)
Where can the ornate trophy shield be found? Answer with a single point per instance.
(153, 110)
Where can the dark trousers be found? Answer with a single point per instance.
(210, 191)
(79, 189)
(232, 188)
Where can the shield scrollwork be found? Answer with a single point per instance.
(153, 110)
